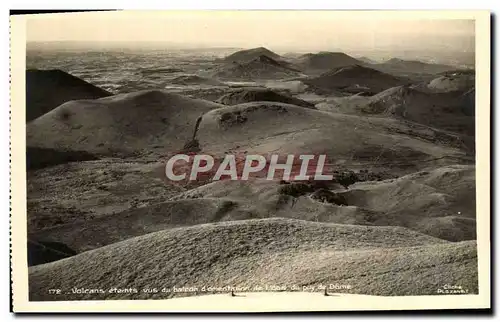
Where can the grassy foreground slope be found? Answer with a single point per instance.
(373, 260)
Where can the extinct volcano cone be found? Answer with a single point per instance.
(261, 67)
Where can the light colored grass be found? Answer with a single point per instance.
(374, 260)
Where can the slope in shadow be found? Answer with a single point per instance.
(449, 111)
(47, 89)
(354, 79)
(120, 124)
(37, 158)
(324, 61)
(41, 252)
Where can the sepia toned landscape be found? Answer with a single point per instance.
(396, 119)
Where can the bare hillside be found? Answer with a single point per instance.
(355, 79)
(295, 252)
(124, 123)
(325, 61)
(251, 54)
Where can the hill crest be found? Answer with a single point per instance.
(250, 54)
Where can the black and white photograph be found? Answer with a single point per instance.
(319, 156)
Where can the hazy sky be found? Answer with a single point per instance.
(274, 29)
